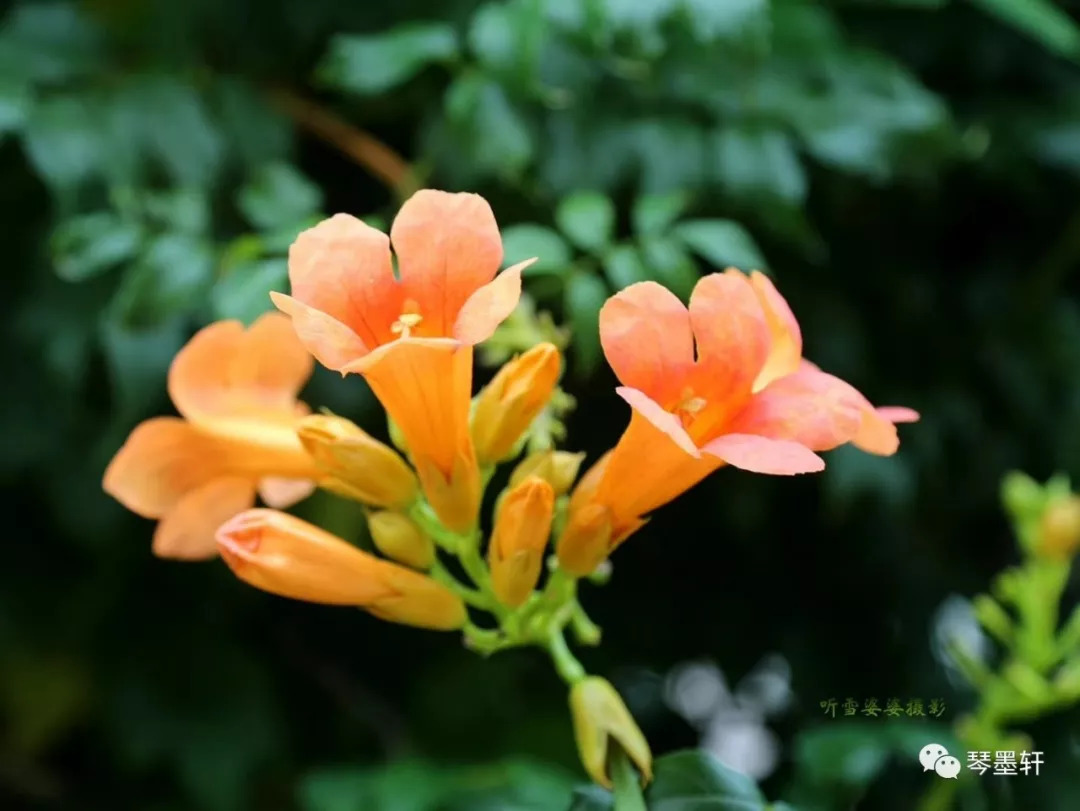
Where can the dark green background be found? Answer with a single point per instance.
(908, 172)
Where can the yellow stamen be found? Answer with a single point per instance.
(689, 405)
(405, 322)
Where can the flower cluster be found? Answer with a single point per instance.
(721, 381)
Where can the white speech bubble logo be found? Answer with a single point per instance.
(947, 766)
(929, 754)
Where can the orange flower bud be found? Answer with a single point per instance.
(585, 541)
(557, 468)
(358, 466)
(522, 528)
(400, 539)
(284, 555)
(512, 400)
(1059, 529)
(602, 721)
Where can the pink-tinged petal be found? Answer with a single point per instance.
(876, 434)
(812, 408)
(332, 343)
(758, 454)
(664, 421)
(342, 268)
(186, 532)
(490, 306)
(897, 414)
(645, 332)
(447, 246)
(785, 349)
(282, 493)
(732, 337)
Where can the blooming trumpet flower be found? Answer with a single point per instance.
(720, 382)
(236, 390)
(601, 721)
(512, 400)
(357, 465)
(282, 554)
(522, 527)
(557, 468)
(400, 539)
(410, 336)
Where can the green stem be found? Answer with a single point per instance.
(472, 597)
(568, 667)
(628, 796)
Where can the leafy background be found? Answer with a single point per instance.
(907, 171)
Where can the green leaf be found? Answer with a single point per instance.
(694, 780)
(168, 279)
(527, 240)
(670, 264)
(180, 209)
(48, 42)
(254, 130)
(277, 196)
(730, 19)
(723, 242)
(488, 127)
(591, 798)
(585, 295)
(15, 103)
(1039, 19)
(244, 292)
(90, 244)
(758, 164)
(652, 213)
(587, 218)
(623, 266)
(64, 140)
(373, 64)
(137, 360)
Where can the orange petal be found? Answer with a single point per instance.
(332, 343)
(186, 532)
(897, 414)
(645, 332)
(342, 268)
(758, 454)
(519, 538)
(281, 493)
(490, 305)
(662, 420)
(785, 349)
(447, 246)
(163, 459)
(812, 408)
(732, 339)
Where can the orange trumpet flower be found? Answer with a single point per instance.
(410, 335)
(720, 382)
(236, 390)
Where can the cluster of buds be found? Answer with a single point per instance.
(719, 382)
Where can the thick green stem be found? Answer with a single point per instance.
(628, 795)
(568, 667)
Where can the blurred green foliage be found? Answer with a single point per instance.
(906, 169)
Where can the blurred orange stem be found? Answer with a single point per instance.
(363, 148)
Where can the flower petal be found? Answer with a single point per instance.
(785, 349)
(897, 414)
(163, 459)
(332, 343)
(281, 493)
(812, 408)
(489, 306)
(342, 268)
(645, 332)
(758, 454)
(186, 532)
(662, 420)
(447, 246)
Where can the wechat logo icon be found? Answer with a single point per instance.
(936, 758)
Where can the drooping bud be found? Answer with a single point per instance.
(456, 500)
(557, 468)
(602, 721)
(287, 556)
(1059, 529)
(399, 538)
(358, 465)
(512, 400)
(522, 528)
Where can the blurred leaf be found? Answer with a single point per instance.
(506, 37)
(373, 64)
(15, 103)
(64, 140)
(526, 240)
(170, 276)
(731, 19)
(587, 218)
(278, 195)
(592, 798)
(490, 129)
(89, 244)
(585, 295)
(653, 213)
(185, 210)
(722, 242)
(254, 130)
(244, 291)
(694, 779)
(623, 266)
(753, 163)
(670, 264)
(1039, 19)
(137, 360)
(48, 42)
(177, 129)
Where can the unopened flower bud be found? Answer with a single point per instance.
(357, 465)
(557, 468)
(522, 528)
(287, 556)
(1059, 529)
(601, 722)
(512, 400)
(399, 538)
